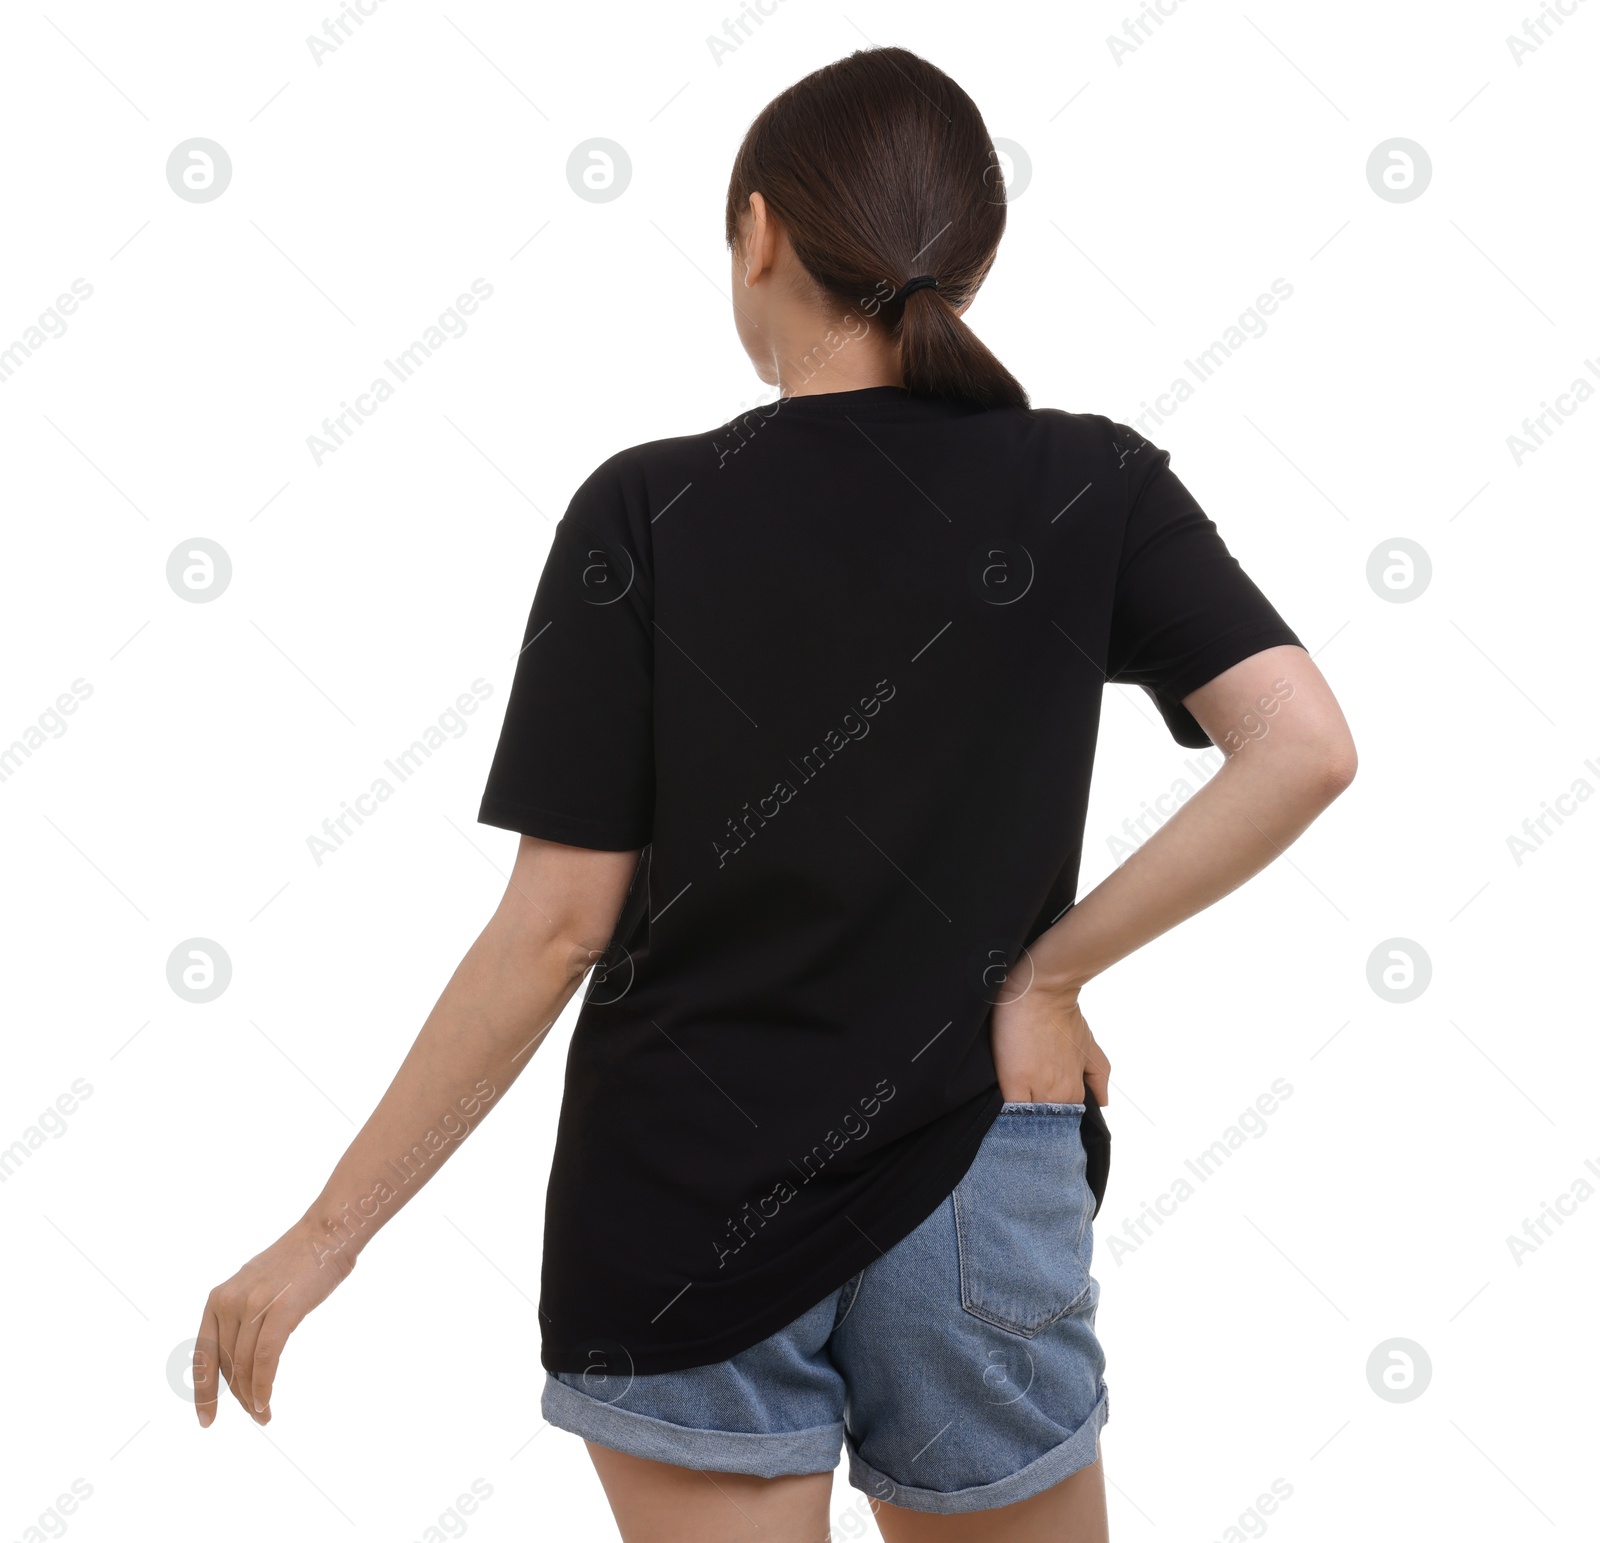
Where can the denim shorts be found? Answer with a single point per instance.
(960, 1368)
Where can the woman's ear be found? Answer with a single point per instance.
(758, 237)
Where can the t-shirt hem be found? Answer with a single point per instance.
(914, 1207)
(551, 825)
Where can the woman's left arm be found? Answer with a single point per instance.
(1289, 754)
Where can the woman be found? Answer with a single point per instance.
(799, 747)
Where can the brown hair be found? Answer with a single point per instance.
(879, 168)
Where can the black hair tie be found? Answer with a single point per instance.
(911, 286)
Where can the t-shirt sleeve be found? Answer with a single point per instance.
(575, 760)
(1184, 610)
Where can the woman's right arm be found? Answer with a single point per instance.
(556, 917)
(1289, 754)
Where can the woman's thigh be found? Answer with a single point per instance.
(1073, 1511)
(663, 1503)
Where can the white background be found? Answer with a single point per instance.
(1167, 191)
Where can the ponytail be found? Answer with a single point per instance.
(940, 355)
(880, 169)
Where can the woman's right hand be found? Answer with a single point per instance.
(1043, 1050)
(249, 1317)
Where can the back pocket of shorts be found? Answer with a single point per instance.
(1022, 1217)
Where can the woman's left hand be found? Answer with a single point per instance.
(1044, 1051)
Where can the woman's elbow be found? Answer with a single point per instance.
(1332, 768)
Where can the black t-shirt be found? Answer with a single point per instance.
(837, 668)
